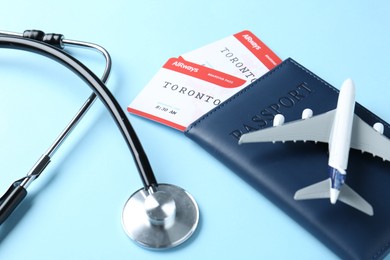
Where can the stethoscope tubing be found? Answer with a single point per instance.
(100, 90)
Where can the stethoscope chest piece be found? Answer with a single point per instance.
(160, 218)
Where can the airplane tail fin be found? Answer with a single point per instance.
(321, 190)
(318, 190)
(350, 197)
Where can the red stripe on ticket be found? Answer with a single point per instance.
(258, 48)
(204, 73)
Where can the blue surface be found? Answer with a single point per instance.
(73, 211)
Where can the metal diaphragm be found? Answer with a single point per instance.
(160, 218)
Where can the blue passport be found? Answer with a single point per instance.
(279, 170)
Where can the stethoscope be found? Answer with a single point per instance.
(156, 216)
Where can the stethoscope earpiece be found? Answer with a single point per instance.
(160, 217)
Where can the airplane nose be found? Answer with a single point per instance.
(334, 195)
(348, 84)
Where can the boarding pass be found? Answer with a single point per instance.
(189, 86)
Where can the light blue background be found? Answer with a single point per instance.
(73, 211)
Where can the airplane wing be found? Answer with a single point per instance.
(316, 128)
(366, 139)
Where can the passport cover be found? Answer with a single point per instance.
(279, 170)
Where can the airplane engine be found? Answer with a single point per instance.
(278, 120)
(379, 127)
(307, 113)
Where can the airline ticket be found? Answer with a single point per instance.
(189, 86)
(242, 55)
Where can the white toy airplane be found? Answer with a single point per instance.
(343, 130)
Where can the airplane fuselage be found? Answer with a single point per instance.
(340, 138)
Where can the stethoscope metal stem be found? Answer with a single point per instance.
(39, 166)
(72, 124)
(91, 99)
